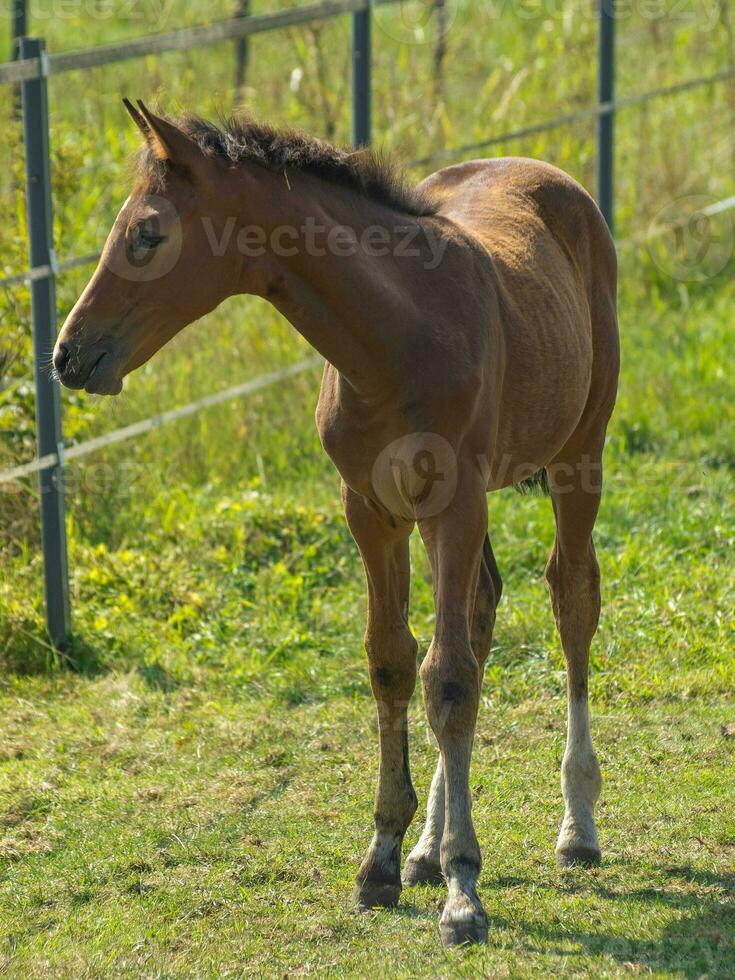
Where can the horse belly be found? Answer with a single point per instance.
(546, 387)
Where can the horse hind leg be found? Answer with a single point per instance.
(573, 576)
(423, 866)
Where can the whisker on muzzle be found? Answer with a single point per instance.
(46, 363)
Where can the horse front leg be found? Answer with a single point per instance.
(391, 651)
(423, 864)
(451, 677)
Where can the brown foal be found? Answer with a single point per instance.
(469, 328)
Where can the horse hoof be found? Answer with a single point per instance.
(467, 931)
(376, 895)
(578, 856)
(421, 871)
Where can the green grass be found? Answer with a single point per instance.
(188, 792)
(170, 833)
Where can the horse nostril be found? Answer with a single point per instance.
(61, 358)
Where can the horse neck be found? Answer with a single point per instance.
(354, 306)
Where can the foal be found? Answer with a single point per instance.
(469, 328)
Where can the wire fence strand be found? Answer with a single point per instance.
(11, 73)
(67, 453)
(579, 115)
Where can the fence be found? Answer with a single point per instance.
(32, 69)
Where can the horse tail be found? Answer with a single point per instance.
(538, 483)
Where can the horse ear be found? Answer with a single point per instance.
(137, 118)
(167, 141)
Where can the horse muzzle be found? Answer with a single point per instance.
(97, 372)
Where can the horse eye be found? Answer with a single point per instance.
(144, 237)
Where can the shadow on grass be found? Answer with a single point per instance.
(26, 654)
(699, 942)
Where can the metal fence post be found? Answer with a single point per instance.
(242, 49)
(606, 120)
(43, 296)
(361, 56)
(18, 27)
(440, 51)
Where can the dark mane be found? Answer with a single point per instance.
(243, 139)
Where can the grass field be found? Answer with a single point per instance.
(189, 791)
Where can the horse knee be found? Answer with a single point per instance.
(392, 664)
(450, 677)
